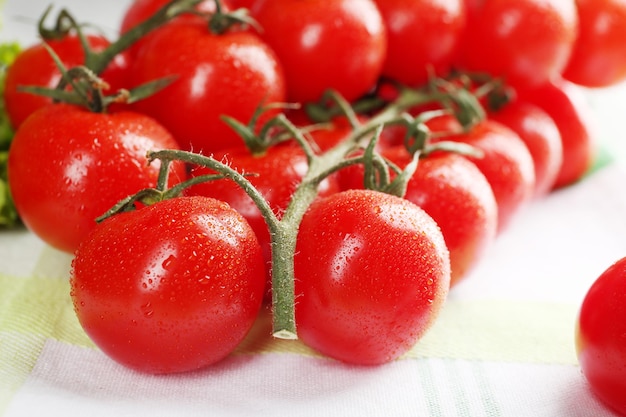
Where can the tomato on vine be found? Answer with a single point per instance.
(599, 55)
(372, 273)
(35, 67)
(324, 44)
(141, 10)
(526, 42)
(231, 73)
(423, 38)
(171, 287)
(566, 104)
(542, 138)
(506, 162)
(68, 165)
(455, 193)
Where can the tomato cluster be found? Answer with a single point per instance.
(419, 134)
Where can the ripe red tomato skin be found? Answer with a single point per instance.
(229, 74)
(423, 36)
(567, 106)
(140, 10)
(543, 33)
(34, 67)
(599, 55)
(372, 273)
(171, 287)
(506, 162)
(455, 193)
(542, 137)
(322, 44)
(68, 166)
(601, 336)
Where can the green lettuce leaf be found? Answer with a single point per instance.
(8, 214)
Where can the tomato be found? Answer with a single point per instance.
(423, 37)
(372, 272)
(35, 67)
(506, 162)
(67, 166)
(601, 336)
(456, 194)
(567, 105)
(599, 56)
(527, 42)
(230, 74)
(541, 136)
(323, 44)
(141, 10)
(276, 174)
(170, 287)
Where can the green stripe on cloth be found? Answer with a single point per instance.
(497, 331)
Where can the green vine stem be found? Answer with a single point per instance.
(98, 61)
(284, 230)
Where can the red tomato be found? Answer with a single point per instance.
(277, 174)
(506, 162)
(601, 336)
(599, 56)
(140, 10)
(525, 41)
(68, 166)
(541, 136)
(34, 67)
(423, 37)
(454, 192)
(372, 274)
(323, 44)
(171, 287)
(228, 74)
(568, 107)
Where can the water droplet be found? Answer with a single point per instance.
(167, 263)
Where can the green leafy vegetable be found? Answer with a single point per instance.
(8, 214)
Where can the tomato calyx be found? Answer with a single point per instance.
(221, 20)
(88, 89)
(98, 61)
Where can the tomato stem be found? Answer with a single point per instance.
(284, 231)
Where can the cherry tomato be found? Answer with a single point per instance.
(541, 136)
(601, 336)
(229, 74)
(372, 274)
(170, 287)
(454, 192)
(35, 67)
(67, 166)
(599, 56)
(568, 107)
(506, 162)
(141, 10)
(423, 37)
(275, 173)
(526, 41)
(323, 44)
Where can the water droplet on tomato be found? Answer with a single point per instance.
(167, 263)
